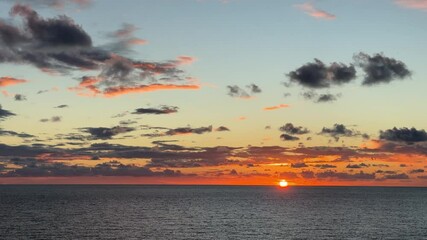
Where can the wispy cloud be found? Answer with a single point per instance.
(276, 107)
(415, 4)
(311, 10)
(7, 81)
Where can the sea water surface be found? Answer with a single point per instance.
(211, 212)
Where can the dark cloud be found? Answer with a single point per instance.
(179, 131)
(287, 137)
(52, 119)
(127, 122)
(60, 46)
(408, 135)
(106, 133)
(19, 97)
(346, 176)
(56, 32)
(326, 98)
(55, 4)
(23, 151)
(381, 69)
(222, 129)
(325, 166)
(62, 106)
(289, 128)
(157, 111)
(318, 75)
(299, 165)
(254, 88)
(339, 130)
(5, 113)
(236, 91)
(56, 119)
(15, 134)
(414, 171)
(361, 165)
(385, 172)
(113, 168)
(397, 176)
(188, 130)
(320, 98)
(380, 165)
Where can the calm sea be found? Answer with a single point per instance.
(212, 212)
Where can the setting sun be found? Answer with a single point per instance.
(283, 183)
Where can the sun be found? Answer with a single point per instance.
(283, 183)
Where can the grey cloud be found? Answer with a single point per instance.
(222, 129)
(55, 4)
(299, 165)
(53, 32)
(19, 97)
(381, 69)
(414, 171)
(339, 130)
(62, 106)
(320, 98)
(254, 88)
(287, 137)
(326, 98)
(15, 134)
(346, 176)
(187, 130)
(5, 113)
(408, 135)
(289, 128)
(156, 111)
(52, 119)
(397, 176)
(361, 165)
(106, 133)
(325, 166)
(59, 45)
(179, 131)
(236, 91)
(112, 168)
(318, 75)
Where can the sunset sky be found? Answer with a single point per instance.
(249, 92)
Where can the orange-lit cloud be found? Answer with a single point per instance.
(117, 91)
(137, 41)
(8, 81)
(87, 87)
(276, 107)
(309, 9)
(183, 60)
(415, 4)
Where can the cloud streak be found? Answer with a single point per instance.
(312, 11)
(276, 107)
(9, 81)
(413, 4)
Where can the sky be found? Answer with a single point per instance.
(233, 92)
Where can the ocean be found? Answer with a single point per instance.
(211, 212)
